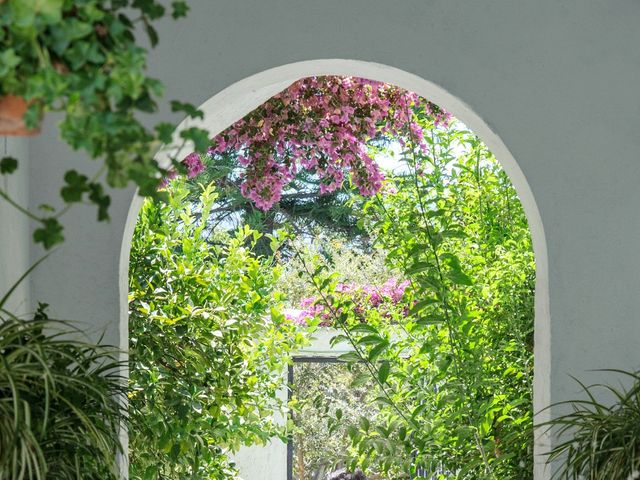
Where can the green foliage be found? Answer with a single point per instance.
(61, 407)
(602, 440)
(83, 59)
(209, 344)
(455, 366)
(8, 165)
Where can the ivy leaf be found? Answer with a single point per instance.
(179, 9)
(45, 207)
(198, 136)
(187, 108)
(102, 200)
(165, 131)
(50, 234)
(149, 7)
(47, 11)
(8, 61)
(8, 165)
(76, 186)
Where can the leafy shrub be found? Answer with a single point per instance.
(209, 344)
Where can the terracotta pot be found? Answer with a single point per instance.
(12, 110)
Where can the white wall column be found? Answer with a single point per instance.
(15, 235)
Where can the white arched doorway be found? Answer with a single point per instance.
(237, 100)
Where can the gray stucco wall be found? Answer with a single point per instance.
(556, 81)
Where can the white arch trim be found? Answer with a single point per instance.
(235, 101)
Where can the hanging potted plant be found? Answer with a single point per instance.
(74, 57)
(12, 111)
(85, 61)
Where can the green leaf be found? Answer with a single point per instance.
(349, 357)
(100, 199)
(187, 108)
(26, 11)
(179, 9)
(385, 401)
(459, 278)
(8, 61)
(165, 132)
(50, 234)
(383, 371)
(199, 136)
(338, 339)
(376, 351)
(152, 34)
(364, 423)
(371, 340)
(8, 165)
(418, 267)
(76, 186)
(361, 379)
(430, 320)
(422, 304)
(363, 328)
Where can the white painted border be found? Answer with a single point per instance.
(237, 100)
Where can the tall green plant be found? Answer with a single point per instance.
(455, 366)
(208, 341)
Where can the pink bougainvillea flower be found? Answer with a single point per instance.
(324, 125)
(364, 297)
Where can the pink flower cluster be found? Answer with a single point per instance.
(363, 296)
(194, 166)
(321, 124)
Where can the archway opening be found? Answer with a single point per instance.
(403, 80)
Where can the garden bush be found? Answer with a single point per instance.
(209, 344)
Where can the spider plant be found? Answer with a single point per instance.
(602, 440)
(61, 407)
